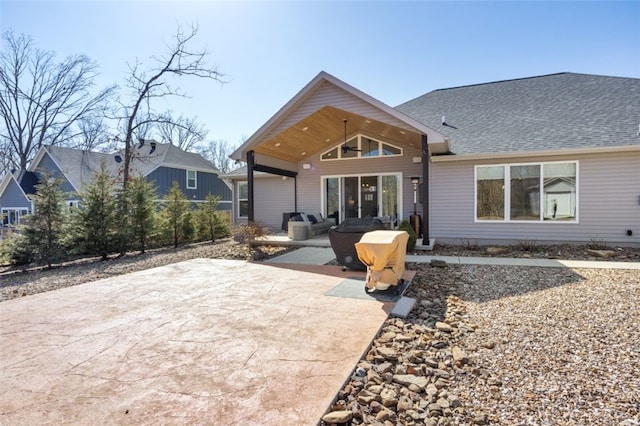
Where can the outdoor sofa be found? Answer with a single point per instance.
(303, 226)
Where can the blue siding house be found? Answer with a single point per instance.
(161, 164)
(14, 201)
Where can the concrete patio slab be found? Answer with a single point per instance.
(305, 256)
(198, 342)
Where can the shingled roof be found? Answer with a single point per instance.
(549, 112)
(80, 166)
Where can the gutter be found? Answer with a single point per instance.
(524, 154)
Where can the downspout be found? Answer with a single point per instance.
(250, 164)
(295, 194)
(425, 190)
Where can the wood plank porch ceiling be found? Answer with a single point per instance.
(324, 129)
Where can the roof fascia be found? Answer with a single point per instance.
(40, 155)
(304, 92)
(308, 89)
(41, 152)
(525, 154)
(385, 108)
(7, 180)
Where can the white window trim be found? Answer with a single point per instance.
(240, 182)
(507, 193)
(323, 192)
(20, 214)
(359, 156)
(195, 179)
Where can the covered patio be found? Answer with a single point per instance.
(348, 154)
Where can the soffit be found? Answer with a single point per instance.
(324, 129)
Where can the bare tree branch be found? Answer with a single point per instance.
(178, 61)
(40, 100)
(218, 152)
(185, 133)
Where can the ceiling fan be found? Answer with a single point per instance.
(346, 148)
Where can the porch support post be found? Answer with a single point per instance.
(425, 190)
(251, 161)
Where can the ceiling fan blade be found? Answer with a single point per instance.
(346, 148)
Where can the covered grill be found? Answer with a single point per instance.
(384, 253)
(344, 237)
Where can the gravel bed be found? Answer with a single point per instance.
(16, 283)
(483, 345)
(506, 346)
(524, 250)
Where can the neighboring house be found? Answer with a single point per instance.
(549, 159)
(161, 164)
(14, 201)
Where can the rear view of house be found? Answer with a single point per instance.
(550, 159)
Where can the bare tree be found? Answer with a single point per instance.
(40, 99)
(185, 133)
(218, 152)
(145, 86)
(93, 134)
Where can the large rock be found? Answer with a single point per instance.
(459, 357)
(443, 326)
(410, 379)
(388, 353)
(339, 417)
(601, 253)
(497, 250)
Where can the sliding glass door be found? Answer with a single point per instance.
(362, 196)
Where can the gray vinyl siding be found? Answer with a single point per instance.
(48, 165)
(272, 197)
(13, 197)
(206, 183)
(329, 95)
(608, 204)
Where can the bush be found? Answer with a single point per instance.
(206, 218)
(248, 232)
(14, 250)
(411, 243)
(223, 225)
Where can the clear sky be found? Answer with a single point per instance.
(393, 51)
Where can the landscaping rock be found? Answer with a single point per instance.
(601, 253)
(339, 417)
(494, 251)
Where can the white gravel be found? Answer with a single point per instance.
(567, 345)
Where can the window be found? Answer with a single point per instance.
(527, 192)
(361, 147)
(490, 193)
(192, 179)
(12, 217)
(243, 199)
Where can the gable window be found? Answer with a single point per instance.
(527, 192)
(192, 179)
(360, 147)
(243, 199)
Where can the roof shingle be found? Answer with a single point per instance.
(550, 112)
